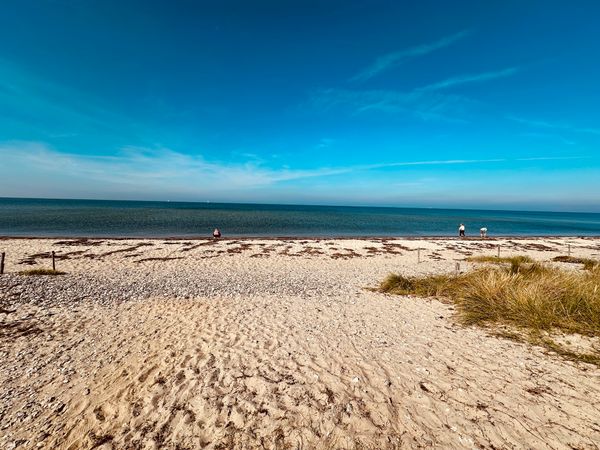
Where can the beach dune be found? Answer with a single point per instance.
(272, 344)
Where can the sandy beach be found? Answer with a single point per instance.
(250, 343)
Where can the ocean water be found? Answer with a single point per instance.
(92, 218)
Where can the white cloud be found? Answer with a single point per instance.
(140, 166)
(35, 169)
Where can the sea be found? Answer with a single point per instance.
(105, 218)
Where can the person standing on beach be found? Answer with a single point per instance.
(483, 232)
(216, 233)
(461, 230)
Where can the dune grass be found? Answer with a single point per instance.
(514, 264)
(34, 272)
(431, 286)
(527, 296)
(518, 259)
(588, 263)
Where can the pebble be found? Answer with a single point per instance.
(72, 290)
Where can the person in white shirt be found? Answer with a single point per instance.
(461, 230)
(483, 232)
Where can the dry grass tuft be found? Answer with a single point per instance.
(519, 259)
(588, 263)
(41, 272)
(527, 296)
(518, 264)
(432, 286)
(538, 297)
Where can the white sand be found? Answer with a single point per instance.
(274, 344)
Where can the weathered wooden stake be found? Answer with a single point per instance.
(53, 261)
(498, 250)
(419, 255)
(569, 249)
(2, 263)
(457, 268)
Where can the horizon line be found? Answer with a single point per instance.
(297, 204)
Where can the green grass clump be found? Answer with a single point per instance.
(41, 272)
(588, 263)
(533, 298)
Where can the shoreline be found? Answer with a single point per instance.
(299, 237)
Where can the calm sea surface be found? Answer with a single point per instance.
(36, 217)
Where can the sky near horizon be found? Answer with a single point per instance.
(462, 104)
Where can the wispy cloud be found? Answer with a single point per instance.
(425, 105)
(390, 60)
(443, 162)
(37, 170)
(549, 136)
(468, 79)
(165, 169)
(159, 168)
(550, 158)
(556, 126)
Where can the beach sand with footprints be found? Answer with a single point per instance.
(272, 343)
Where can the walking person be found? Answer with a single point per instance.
(483, 232)
(461, 230)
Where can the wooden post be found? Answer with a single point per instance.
(457, 268)
(2, 263)
(569, 249)
(53, 261)
(498, 250)
(419, 255)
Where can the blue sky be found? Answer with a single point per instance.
(434, 104)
